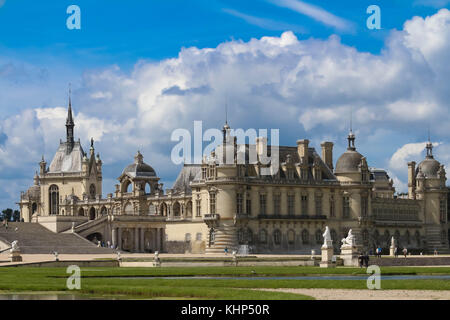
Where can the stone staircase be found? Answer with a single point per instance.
(35, 239)
(225, 237)
(434, 241)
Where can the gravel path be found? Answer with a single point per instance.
(350, 294)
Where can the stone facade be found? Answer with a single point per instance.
(221, 204)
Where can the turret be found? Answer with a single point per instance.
(412, 180)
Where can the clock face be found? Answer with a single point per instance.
(66, 164)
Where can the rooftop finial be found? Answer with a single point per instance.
(429, 146)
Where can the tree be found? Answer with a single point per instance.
(7, 214)
(16, 215)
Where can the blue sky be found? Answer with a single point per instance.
(313, 60)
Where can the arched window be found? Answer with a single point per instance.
(81, 212)
(376, 237)
(92, 191)
(407, 237)
(365, 237)
(291, 237)
(92, 214)
(189, 209)
(33, 208)
(163, 209)
(241, 236)
(319, 239)
(128, 209)
(54, 199)
(277, 237)
(249, 236)
(305, 236)
(176, 210)
(334, 237)
(417, 238)
(263, 236)
(151, 209)
(104, 211)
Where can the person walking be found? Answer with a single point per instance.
(405, 252)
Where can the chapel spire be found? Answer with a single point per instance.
(70, 125)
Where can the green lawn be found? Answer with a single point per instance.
(106, 281)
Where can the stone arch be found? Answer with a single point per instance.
(92, 213)
(176, 209)
(148, 241)
(163, 209)
(95, 237)
(81, 212)
(103, 211)
(249, 236)
(126, 186)
(127, 241)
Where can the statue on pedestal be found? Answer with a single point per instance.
(327, 241)
(349, 240)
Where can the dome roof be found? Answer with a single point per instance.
(348, 162)
(139, 168)
(429, 167)
(34, 192)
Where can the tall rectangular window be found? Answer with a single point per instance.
(204, 170)
(262, 204)
(212, 203)
(276, 204)
(239, 208)
(332, 207)
(304, 205)
(346, 207)
(443, 210)
(364, 206)
(318, 202)
(248, 205)
(198, 212)
(291, 204)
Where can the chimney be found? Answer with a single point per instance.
(261, 146)
(302, 149)
(327, 154)
(412, 180)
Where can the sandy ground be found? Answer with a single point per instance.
(350, 294)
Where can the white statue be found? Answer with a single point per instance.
(14, 246)
(350, 240)
(327, 237)
(392, 242)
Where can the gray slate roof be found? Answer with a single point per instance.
(63, 162)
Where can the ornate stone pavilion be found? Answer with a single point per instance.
(218, 205)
